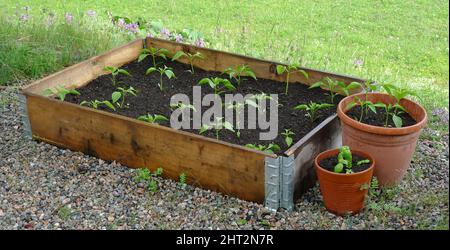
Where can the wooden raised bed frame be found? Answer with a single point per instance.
(220, 166)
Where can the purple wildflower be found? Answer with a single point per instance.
(200, 43)
(165, 33)
(132, 27)
(358, 63)
(91, 13)
(150, 35)
(121, 23)
(178, 38)
(24, 17)
(69, 17)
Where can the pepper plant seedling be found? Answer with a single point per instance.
(60, 92)
(96, 103)
(312, 109)
(167, 71)
(392, 111)
(115, 72)
(333, 86)
(182, 106)
(290, 69)
(364, 104)
(258, 99)
(217, 125)
(152, 118)
(154, 53)
(267, 149)
(121, 93)
(217, 84)
(345, 161)
(288, 137)
(189, 56)
(238, 107)
(239, 71)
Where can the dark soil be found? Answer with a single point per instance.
(151, 100)
(329, 163)
(379, 118)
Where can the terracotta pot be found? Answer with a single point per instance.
(342, 193)
(392, 148)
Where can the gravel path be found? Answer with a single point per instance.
(44, 187)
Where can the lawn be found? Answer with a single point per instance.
(400, 42)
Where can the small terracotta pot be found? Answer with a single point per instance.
(342, 193)
(392, 148)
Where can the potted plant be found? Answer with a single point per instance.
(343, 175)
(385, 125)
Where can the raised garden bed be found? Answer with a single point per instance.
(224, 165)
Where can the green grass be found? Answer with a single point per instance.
(401, 42)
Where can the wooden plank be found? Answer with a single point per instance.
(208, 163)
(219, 60)
(82, 73)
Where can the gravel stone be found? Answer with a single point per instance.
(44, 187)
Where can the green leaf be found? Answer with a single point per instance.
(338, 168)
(350, 105)
(281, 69)
(288, 141)
(74, 92)
(228, 126)
(206, 81)
(353, 85)
(251, 74)
(316, 85)
(169, 73)
(109, 105)
(109, 68)
(178, 55)
(372, 107)
(47, 92)
(398, 106)
(325, 105)
(380, 105)
(150, 70)
(84, 103)
(275, 147)
(397, 121)
(227, 84)
(305, 74)
(62, 96)
(251, 103)
(163, 52)
(363, 162)
(302, 107)
(116, 96)
(204, 128)
(143, 118)
(160, 118)
(142, 57)
(124, 72)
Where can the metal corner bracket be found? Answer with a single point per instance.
(279, 183)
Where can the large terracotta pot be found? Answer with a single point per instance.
(392, 148)
(343, 193)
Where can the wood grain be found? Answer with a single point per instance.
(208, 163)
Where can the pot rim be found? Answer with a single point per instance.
(334, 152)
(378, 129)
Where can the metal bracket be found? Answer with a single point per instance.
(279, 183)
(23, 112)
